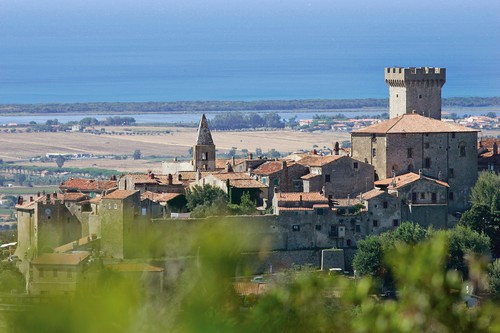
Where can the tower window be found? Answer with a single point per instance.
(451, 173)
(427, 145)
(355, 165)
(327, 178)
(427, 162)
(462, 150)
(419, 96)
(374, 152)
(450, 196)
(409, 152)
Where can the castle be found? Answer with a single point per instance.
(412, 167)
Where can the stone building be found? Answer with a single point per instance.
(337, 176)
(422, 200)
(412, 142)
(285, 175)
(58, 273)
(415, 90)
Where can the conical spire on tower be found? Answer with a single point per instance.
(204, 135)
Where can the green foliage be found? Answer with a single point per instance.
(486, 191)
(240, 120)
(10, 278)
(206, 200)
(246, 207)
(463, 244)
(368, 259)
(136, 154)
(494, 279)
(60, 161)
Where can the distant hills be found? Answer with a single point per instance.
(207, 106)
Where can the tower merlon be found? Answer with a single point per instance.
(398, 74)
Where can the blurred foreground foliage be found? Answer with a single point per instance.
(202, 297)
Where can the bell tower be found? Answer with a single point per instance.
(204, 149)
(415, 90)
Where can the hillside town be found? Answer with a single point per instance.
(414, 166)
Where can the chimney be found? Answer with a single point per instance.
(38, 195)
(31, 198)
(301, 203)
(233, 161)
(250, 156)
(170, 178)
(283, 165)
(20, 200)
(495, 148)
(54, 195)
(420, 173)
(337, 148)
(276, 189)
(198, 174)
(48, 197)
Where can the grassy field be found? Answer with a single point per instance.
(27, 190)
(20, 147)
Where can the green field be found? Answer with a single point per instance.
(27, 190)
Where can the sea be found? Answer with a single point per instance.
(66, 52)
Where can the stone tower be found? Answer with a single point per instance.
(204, 149)
(415, 90)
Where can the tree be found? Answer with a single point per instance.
(20, 178)
(486, 191)
(206, 200)
(137, 154)
(10, 278)
(465, 242)
(368, 259)
(2, 180)
(491, 115)
(494, 278)
(60, 161)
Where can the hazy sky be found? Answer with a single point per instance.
(450, 34)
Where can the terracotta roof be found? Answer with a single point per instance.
(119, 194)
(321, 206)
(220, 163)
(246, 183)
(164, 197)
(317, 160)
(345, 202)
(72, 196)
(488, 142)
(413, 123)
(310, 176)
(61, 258)
(407, 178)
(133, 267)
(306, 196)
(144, 178)
(270, 167)
(372, 194)
(231, 175)
(83, 184)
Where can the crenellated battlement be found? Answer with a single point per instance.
(398, 76)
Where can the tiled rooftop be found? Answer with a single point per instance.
(407, 178)
(163, 197)
(306, 196)
(270, 167)
(120, 194)
(83, 184)
(413, 123)
(317, 160)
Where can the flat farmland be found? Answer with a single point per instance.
(20, 147)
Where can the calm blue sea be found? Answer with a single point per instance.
(53, 51)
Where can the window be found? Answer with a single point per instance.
(451, 173)
(427, 162)
(327, 178)
(433, 197)
(295, 227)
(410, 167)
(374, 152)
(462, 150)
(355, 165)
(318, 227)
(385, 204)
(395, 222)
(450, 196)
(409, 152)
(414, 196)
(319, 211)
(375, 223)
(358, 228)
(419, 96)
(427, 145)
(453, 135)
(422, 195)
